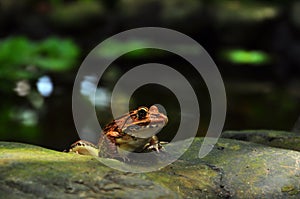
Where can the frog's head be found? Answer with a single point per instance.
(144, 122)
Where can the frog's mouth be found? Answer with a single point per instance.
(144, 131)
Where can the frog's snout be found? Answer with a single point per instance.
(165, 119)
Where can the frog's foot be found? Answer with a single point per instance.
(154, 145)
(83, 147)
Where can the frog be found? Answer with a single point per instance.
(134, 131)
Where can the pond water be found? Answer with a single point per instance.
(39, 111)
(255, 45)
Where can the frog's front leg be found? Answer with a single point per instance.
(154, 144)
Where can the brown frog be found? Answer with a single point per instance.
(133, 132)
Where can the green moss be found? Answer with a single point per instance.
(239, 169)
(287, 188)
(184, 179)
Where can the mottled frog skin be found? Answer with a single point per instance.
(132, 132)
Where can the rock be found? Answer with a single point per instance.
(234, 169)
(280, 139)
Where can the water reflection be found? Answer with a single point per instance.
(44, 86)
(102, 97)
(89, 86)
(26, 117)
(22, 88)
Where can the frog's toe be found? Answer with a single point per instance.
(157, 146)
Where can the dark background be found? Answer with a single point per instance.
(255, 44)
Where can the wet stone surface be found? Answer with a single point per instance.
(234, 169)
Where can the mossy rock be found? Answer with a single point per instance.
(280, 139)
(233, 169)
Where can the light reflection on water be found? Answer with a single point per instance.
(27, 117)
(22, 88)
(45, 86)
(100, 97)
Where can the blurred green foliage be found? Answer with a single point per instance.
(75, 13)
(115, 48)
(21, 58)
(240, 56)
(244, 11)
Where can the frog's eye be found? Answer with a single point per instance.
(141, 114)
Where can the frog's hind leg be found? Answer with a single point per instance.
(83, 147)
(107, 147)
